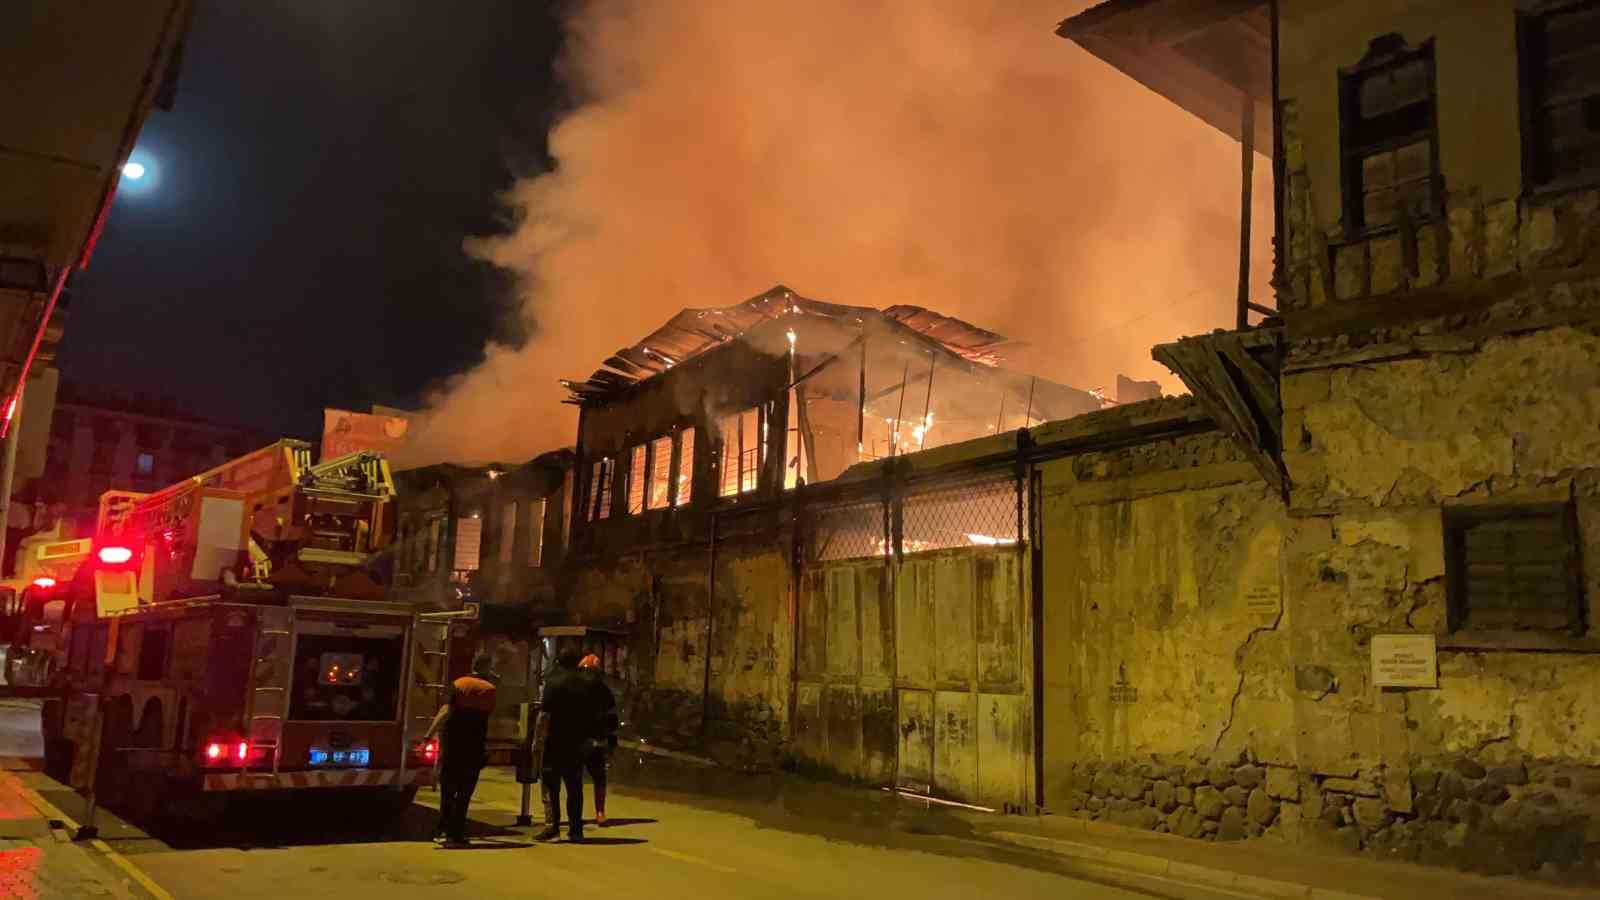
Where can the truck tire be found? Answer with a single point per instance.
(395, 803)
(111, 775)
(58, 754)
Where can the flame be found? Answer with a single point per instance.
(989, 540)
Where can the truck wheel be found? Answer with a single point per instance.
(111, 776)
(58, 754)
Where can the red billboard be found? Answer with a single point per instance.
(345, 432)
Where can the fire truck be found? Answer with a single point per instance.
(31, 608)
(230, 634)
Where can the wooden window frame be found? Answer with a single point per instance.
(1384, 54)
(537, 510)
(597, 505)
(636, 479)
(683, 449)
(759, 411)
(654, 466)
(1457, 520)
(1531, 63)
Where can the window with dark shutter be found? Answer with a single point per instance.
(1559, 49)
(1388, 136)
(1513, 569)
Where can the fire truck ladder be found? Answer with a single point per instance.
(269, 680)
(431, 671)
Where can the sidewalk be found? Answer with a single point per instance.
(1160, 864)
(1261, 868)
(41, 863)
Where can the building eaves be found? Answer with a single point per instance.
(1206, 56)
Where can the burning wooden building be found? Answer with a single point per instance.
(781, 391)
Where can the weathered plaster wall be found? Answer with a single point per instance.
(664, 600)
(1496, 769)
(1165, 638)
(752, 644)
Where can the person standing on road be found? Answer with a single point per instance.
(569, 703)
(604, 740)
(464, 748)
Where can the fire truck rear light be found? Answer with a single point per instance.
(115, 556)
(45, 582)
(214, 752)
(242, 751)
(428, 751)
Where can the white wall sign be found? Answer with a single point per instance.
(1405, 660)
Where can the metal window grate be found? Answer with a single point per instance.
(1514, 569)
(976, 513)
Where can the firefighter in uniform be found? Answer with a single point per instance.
(463, 750)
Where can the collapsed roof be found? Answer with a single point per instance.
(694, 331)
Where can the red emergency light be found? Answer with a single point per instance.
(115, 556)
(221, 752)
(44, 582)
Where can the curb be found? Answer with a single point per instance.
(62, 825)
(1216, 882)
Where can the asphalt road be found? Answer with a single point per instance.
(745, 840)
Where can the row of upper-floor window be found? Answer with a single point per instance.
(420, 541)
(1389, 136)
(659, 473)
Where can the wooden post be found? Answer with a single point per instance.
(1247, 164)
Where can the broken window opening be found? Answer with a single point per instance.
(797, 443)
(469, 541)
(508, 533)
(742, 451)
(536, 511)
(599, 506)
(684, 470)
(637, 475)
(659, 489)
(1389, 137)
(435, 542)
(1561, 94)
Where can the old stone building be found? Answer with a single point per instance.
(708, 451)
(1339, 596)
(1364, 622)
(494, 536)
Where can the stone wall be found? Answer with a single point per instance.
(1491, 769)
(1164, 625)
(1193, 796)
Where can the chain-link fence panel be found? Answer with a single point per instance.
(851, 531)
(976, 512)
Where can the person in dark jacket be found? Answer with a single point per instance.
(464, 748)
(604, 741)
(569, 702)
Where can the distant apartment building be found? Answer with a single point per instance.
(101, 441)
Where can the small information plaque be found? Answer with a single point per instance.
(1405, 660)
(1264, 601)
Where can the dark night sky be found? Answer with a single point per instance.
(297, 243)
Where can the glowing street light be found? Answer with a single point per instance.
(133, 170)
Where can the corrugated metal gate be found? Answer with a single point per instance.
(913, 670)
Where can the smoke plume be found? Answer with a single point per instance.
(954, 154)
